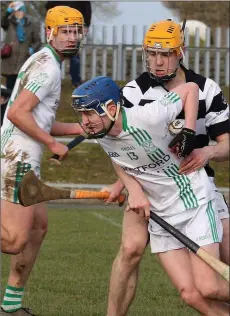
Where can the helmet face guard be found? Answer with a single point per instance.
(163, 38)
(68, 39)
(168, 70)
(95, 95)
(96, 107)
(65, 27)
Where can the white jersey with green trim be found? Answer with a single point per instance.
(41, 75)
(141, 149)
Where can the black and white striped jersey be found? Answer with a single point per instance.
(213, 114)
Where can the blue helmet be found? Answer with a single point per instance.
(96, 94)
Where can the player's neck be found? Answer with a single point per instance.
(117, 127)
(175, 82)
(62, 57)
(55, 52)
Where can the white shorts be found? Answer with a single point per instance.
(12, 172)
(221, 204)
(203, 228)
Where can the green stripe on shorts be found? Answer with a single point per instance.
(22, 169)
(212, 222)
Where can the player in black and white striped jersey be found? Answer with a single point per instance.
(212, 123)
(213, 116)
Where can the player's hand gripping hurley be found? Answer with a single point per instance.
(33, 191)
(76, 141)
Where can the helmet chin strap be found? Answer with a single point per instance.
(165, 78)
(102, 133)
(105, 131)
(113, 119)
(64, 52)
(67, 53)
(70, 52)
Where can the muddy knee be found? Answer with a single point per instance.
(39, 230)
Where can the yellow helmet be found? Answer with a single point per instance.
(61, 16)
(164, 35)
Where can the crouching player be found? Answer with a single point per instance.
(137, 142)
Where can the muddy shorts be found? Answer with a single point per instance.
(12, 172)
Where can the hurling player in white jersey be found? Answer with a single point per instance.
(138, 141)
(165, 71)
(29, 126)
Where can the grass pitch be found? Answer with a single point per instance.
(72, 273)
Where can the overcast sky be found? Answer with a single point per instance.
(135, 13)
(140, 12)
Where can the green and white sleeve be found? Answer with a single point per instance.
(43, 83)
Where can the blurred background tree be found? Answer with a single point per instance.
(105, 10)
(101, 10)
(212, 13)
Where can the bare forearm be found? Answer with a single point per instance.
(119, 184)
(190, 120)
(189, 95)
(128, 181)
(27, 124)
(220, 151)
(62, 129)
(191, 110)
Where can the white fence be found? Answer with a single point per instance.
(114, 51)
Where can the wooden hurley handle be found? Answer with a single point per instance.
(78, 194)
(216, 264)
